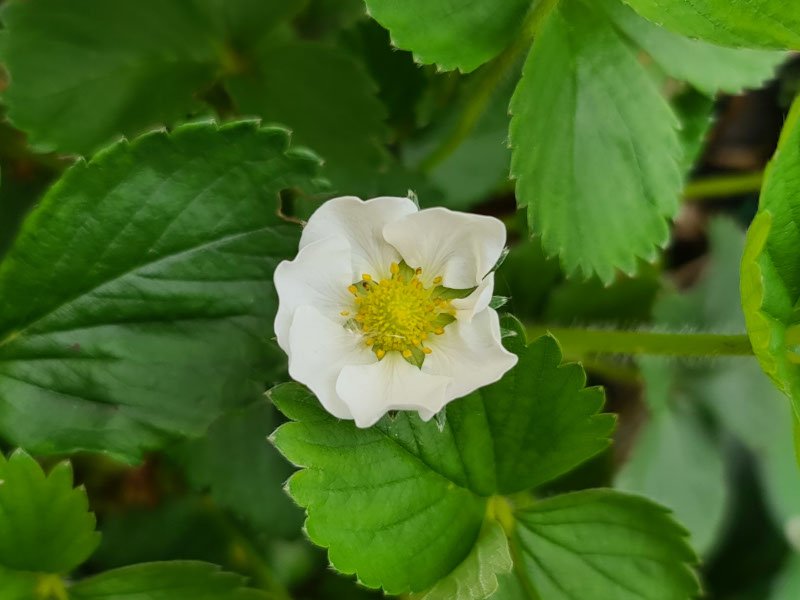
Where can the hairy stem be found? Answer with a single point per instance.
(580, 342)
(722, 186)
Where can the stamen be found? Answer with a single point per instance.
(398, 314)
(437, 280)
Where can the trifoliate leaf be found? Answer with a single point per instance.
(770, 279)
(602, 545)
(327, 99)
(476, 577)
(738, 23)
(178, 580)
(707, 67)
(596, 166)
(451, 33)
(45, 523)
(168, 325)
(85, 71)
(243, 471)
(402, 504)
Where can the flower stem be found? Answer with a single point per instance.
(580, 342)
(722, 186)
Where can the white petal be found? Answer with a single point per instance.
(391, 384)
(459, 247)
(320, 349)
(362, 223)
(470, 353)
(318, 276)
(477, 301)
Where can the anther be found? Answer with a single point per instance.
(437, 280)
(380, 353)
(406, 353)
(418, 271)
(345, 313)
(394, 268)
(366, 277)
(439, 330)
(427, 350)
(353, 289)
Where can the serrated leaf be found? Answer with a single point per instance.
(401, 504)
(770, 280)
(603, 545)
(178, 580)
(88, 70)
(45, 523)
(707, 67)
(286, 84)
(451, 33)
(244, 473)
(476, 577)
(738, 23)
(596, 166)
(137, 302)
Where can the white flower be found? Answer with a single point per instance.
(386, 307)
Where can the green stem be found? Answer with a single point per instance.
(722, 186)
(487, 80)
(580, 342)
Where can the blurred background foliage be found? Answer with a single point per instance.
(710, 440)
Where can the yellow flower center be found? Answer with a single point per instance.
(399, 314)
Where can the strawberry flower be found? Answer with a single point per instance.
(386, 307)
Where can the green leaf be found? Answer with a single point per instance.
(746, 23)
(676, 460)
(596, 166)
(476, 577)
(770, 279)
(451, 33)
(45, 523)
(402, 503)
(85, 71)
(178, 580)
(286, 85)
(603, 545)
(707, 67)
(15, 585)
(244, 473)
(138, 298)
